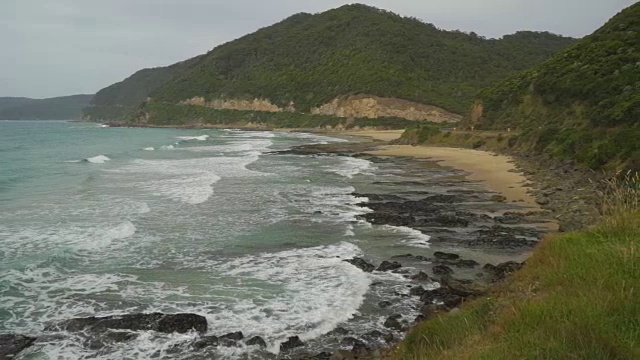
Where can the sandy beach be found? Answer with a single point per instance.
(497, 171)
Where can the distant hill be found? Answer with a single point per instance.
(582, 104)
(317, 63)
(58, 108)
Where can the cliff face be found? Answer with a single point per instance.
(237, 104)
(373, 107)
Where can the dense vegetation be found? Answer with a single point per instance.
(312, 59)
(583, 103)
(557, 306)
(188, 115)
(59, 108)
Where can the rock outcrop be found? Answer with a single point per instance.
(373, 107)
(238, 104)
(164, 323)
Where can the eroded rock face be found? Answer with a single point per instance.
(238, 104)
(164, 323)
(373, 107)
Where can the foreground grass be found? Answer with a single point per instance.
(576, 298)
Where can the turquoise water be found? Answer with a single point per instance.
(102, 221)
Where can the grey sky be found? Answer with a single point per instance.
(62, 47)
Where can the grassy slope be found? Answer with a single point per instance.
(576, 298)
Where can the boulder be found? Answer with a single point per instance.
(11, 344)
(292, 343)
(393, 323)
(464, 288)
(442, 270)
(164, 323)
(446, 256)
(258, 341)
(417, 291)
(361, 264)
(501, 271)
(339, 331)
(388, 266)
(498, 198)
(205, 342)
(421, 276)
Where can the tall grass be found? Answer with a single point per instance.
(576, 298)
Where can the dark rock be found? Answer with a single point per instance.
(393, 323)
(349, 341)
(466, 263)
(100, 340)
(237, 336)
(444, 199)
(339, 331)
(360, 350)
(446, 256)
(388, 266)
(464, 288)
(257, 340)
(501, 271)
(430, 296)
(430, 310)
(417, 291)
(498, 198)
(342, 355)
(205, 342)
(323, 356)
(543, 201)
(292, 343)
(361, 264)
(384, 304)
(411, 257)
(164, 323)
(421, 276)
(419, 319)
(505, 237)
(442, 270)
(11, 345)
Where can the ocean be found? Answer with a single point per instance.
(100, 221)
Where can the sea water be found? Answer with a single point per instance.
(100, 221)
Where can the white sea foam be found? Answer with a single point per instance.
(198, 138)
(350, 167)
(167, 147)
(190, 180)
(412, 238)
(100, 159)
(149, 149)
(313, 278)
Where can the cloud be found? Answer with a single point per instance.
(61, 47)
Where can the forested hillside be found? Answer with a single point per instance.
(58, 108)
(582, 104)
(308, 60)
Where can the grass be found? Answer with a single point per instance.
(576, 298)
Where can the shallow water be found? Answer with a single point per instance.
(102, 221)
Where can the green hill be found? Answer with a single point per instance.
(308, 60)
(58, 108)
(582, 104)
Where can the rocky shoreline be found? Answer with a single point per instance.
(476, 239)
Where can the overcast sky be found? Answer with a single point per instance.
(61, 47)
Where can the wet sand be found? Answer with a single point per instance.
(498, 172)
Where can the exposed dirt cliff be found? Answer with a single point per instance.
(367, 106)
(237, 104)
